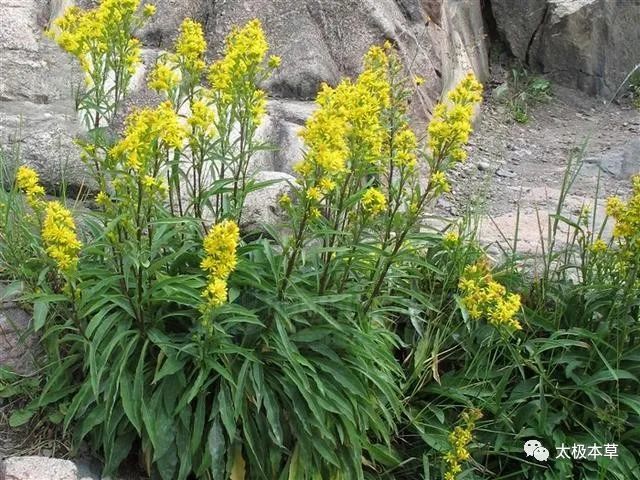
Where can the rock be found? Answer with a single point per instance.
(518, 23)
(483, 166)
(586, 44)
(501, 172)
(280, 129)
(41, 135)
(17, 349)
(38, 468)
(621, 162)
(319, 42)
(261, 206)
(465, 42)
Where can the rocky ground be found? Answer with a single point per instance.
(512, 164)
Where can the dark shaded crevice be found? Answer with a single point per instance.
(490, 24)
(535, 34)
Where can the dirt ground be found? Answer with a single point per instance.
(513, 164)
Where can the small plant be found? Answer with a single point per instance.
(522, 91)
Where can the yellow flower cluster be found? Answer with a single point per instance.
(149, 10)
(220, 260)
(346, 126)
(188, 60)
(241, 66)
(484, 297)
(191, 46)
(59, 237)
(27, 180)
(450, 125)
(598, 247)
(89, 34)
(627, 215)
(202, 116)
(405, 144)
(146, 130)
(459, 439)
(374, 202)
(439, 182)
(451, 239)
(163, 78)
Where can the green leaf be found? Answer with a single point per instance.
(20, 417)
(40, 311)
(171, 365)
(217, 448)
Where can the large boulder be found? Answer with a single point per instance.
(464, 42)
(261, 206)
(591, 45)
(438, 40)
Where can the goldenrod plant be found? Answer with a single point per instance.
(343, 345)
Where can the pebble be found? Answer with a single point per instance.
(501, 172)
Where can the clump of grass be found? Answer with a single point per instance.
(522, 91)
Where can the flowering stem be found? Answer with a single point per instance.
(294, 253)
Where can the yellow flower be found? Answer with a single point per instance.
(451, 239)
(326, 185)
(484, 297)
(284, 200)
(220, 260)
(346, 128)
(220, 249)
(241, 67)
(459, 439)
(314, 194)
(450, 126)
(202, 116)
(374, 202)
(191, 46)
(405, 148)
(149, 10)
(439, 182)
(627, 219)
(274, 61)
(215, 292)
(106, 28)
(27, 180)
(59, 237)
(303, 168)
(103, 199)
(145, 129)
(599, 246)
(315, 213)
(418, 80)
(163, 78)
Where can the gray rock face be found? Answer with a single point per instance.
(37, 80)
(317, 41)
(17, 349)
(587, 44)
(261, 206)
(38, 468)
(464, 41)
(621, 162)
